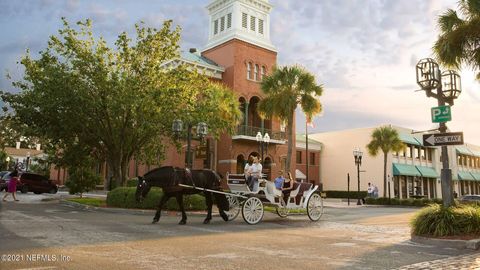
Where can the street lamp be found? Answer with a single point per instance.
(201, 130)
(448, 88)
(357, 154)
(263, 143)
(28, 160)
(8, 162)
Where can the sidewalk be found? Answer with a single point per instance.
(341, 203)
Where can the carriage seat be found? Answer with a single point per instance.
(272, 190)
(238, 183)
(299, 189)
(236, 179)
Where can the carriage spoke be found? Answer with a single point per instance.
(315, 207)
(234, 208)
(252, 210)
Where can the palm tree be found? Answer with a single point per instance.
(459, 40)
(284, 89)
(385, 139)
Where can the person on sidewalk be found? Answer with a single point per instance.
(12, 186)
(375, 191)
(369, 191)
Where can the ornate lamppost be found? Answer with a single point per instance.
(8, 162)
(448, 88)
(28, 161)
(263, 142)
(357, 154)
(201, 130)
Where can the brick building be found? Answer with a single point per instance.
(238, 53)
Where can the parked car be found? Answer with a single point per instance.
(470, 198)
(36, 183)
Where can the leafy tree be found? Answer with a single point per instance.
(81, 179)
(459, 40)
(284, 89)
(40, 166)
(113, 103)
(385, 139)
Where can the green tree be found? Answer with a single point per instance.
(114, 103)
(458, 42)
(385, 139)
(285, 89)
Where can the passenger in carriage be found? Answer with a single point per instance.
(247, 171)
(254, 173)
(279, 180)
(287, 187)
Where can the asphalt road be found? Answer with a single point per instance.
(39, 234)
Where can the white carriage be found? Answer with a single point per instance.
(251, 204)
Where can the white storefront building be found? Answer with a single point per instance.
(414, 172)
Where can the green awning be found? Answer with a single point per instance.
(475, 153)
(465, 176)
(427, 172)
(463, 150)
(406, 138)
(404, 169)
(476, 176)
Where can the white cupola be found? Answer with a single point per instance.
(246, 20)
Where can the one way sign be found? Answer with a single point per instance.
(438, 139)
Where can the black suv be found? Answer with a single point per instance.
(36, 183)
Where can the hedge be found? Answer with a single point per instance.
(124, 197)
(437, 220)
(345, 194)
(406, 202)
(132, 182)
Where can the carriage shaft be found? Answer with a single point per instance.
(212, 190)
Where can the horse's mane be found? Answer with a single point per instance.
(169, 176)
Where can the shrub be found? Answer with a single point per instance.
(396, 201)
(132, 182)
(437, 220)
(124, 197)
(345, 194)
(81, 179)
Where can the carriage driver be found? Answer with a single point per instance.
(253, 173)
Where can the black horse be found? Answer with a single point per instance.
(168, 179)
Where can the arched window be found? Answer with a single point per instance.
(249, 70)
(255, 73)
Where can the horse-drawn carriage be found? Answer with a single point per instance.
(177, 182)
(251, 204)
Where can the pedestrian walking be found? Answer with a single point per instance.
(12, 186)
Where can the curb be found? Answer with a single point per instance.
(130, 211)
(457, 244)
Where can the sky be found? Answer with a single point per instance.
(363, 52)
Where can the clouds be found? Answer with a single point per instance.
(362, 51)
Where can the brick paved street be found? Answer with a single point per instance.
(464, 262)
(355, 237)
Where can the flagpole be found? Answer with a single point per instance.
(306, 146)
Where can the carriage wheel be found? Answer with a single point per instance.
(234, 210)
(252, 210)
(282, 210)
(315, 207)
